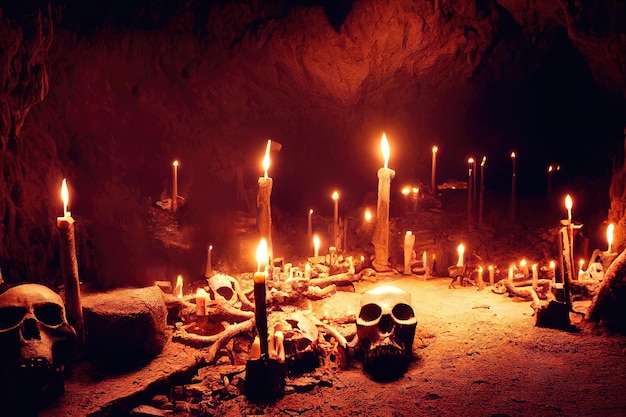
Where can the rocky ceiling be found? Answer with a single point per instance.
(107, 94)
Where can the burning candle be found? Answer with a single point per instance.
(470, 187)
(513, 213)
(260, 307)
(255, 349)
(511, 274)
(307, 271)
(316, 246)
(367, 216)
(201, 299)
(535, 273)
(309, 226)
(264, 208)
(69, 266)
(409, 242)
(552, 269)
(549, 180)
(580, 268)
(178, 288)
(337, 237)
(481, 199)
(208, 270)
(381, 231)
(481, 283)
(433, 171)
(524, 267)
(425, 262)
(175, 187)
(568, 206)
(491, 274)
(609, 236)
(461, 250)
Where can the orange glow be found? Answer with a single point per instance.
(409, 233)
(435, 148)
(261, 254)
(310, 211)
(550, 168)
(178, 289)
(523, 263)
(335, 196)
(368, 215)
(406, 191)
(609, 235)
(266, 158)
(415, 190)
(384, 145)
(316, 245)
(470, 160)
(65, 196)
(175, 163)
(460, 249)
(513, 155)
(482, 164)
(568, 205)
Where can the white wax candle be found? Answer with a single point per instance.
(460, 249)
(433, 183)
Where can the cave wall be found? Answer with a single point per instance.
(207, 83)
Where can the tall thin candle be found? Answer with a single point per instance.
(481, 200)
(433, 172)
(470, 186)
(264, 207)
(381, 231)
(336, 234)
(260, 307)
(175, 187)
(513, 212)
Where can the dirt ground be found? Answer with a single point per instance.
(476, 354)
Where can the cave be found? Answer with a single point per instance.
(182, 132)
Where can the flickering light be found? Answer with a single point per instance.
(262, 256)
(178, 289)
(266, 158)
(406, 191)
(460, 249)
(568, 205)
(65, 196)
(316, 245)
(609, 235)
(384, 144)
(335, 195)
(368, 215)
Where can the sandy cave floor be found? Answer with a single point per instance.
(476, 354)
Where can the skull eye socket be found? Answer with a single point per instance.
(402, 312)
(49, 314)
(225, 292)
(370, 312)
(11, 316)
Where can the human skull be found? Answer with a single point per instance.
(300, 339)
(386, 325)
(35, 337)
(595, 271)
(225, 287)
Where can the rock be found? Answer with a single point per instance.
(147, 411)
(125, 327)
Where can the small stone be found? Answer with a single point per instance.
(147, 411)
(159, 400)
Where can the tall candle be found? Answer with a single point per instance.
(433, 171)
(552, 270)
(264, 208)
(480, 281)
(513, 212)
(425, 262)
(511, 274)
(491, 275)
(481, 200)
(409, 242)
(568, 205)
(69, 266)
(535, 273)
(609, 236)
(470, 186)
(201, 299)
(208, 270)
(381, 231)
(175, 187)
(260, 307)
(316, 246)
(309, 226)
(337, 237)
(524, 267)
(570, 229)
(461, 250)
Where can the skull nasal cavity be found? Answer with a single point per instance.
(30, 330)
(385, 324)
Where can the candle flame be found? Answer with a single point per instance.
(406, 191)
(523, 262)
(316, 243)
(175, 163)
(368, 215)
(470, 160)
(210, 247)
(513, 155)
(409, 233)
(335, 196)
(580, 264)
(65, 196)
(178, 289)
(435, 148)
(552, 264)
(490, 267)
(310, 211)
(384, 145)
(568, 202)
(482, 164)
(201, 292)
(416, 190)
(480, 269)
(266, 158)
(609, 233)
(550, 168)
(261, 254)
(460, 249)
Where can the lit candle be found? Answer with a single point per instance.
(552, 269)
(433, 171)
(337, 237)
(461, 250)
(524, 267)
(425, 262)
(367, 216)
(481, 283)
(175, 187)
(609, 235)
(535, 275)
(470, 187)
(255, 349)
(260, 307)
(307, 271)
(309, 226)
(69, 266)
(381, 231)
(511, 274)
(568, 206)
(513, 213)
(316, 246)
(491, 275)
(580, 268)
(178, 288)
(208, 270)
(264, 208)
(201, 299)
(409, 242)
(549, 180)
(481, 200)
(416, 192)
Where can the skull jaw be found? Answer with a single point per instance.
(386, 361)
